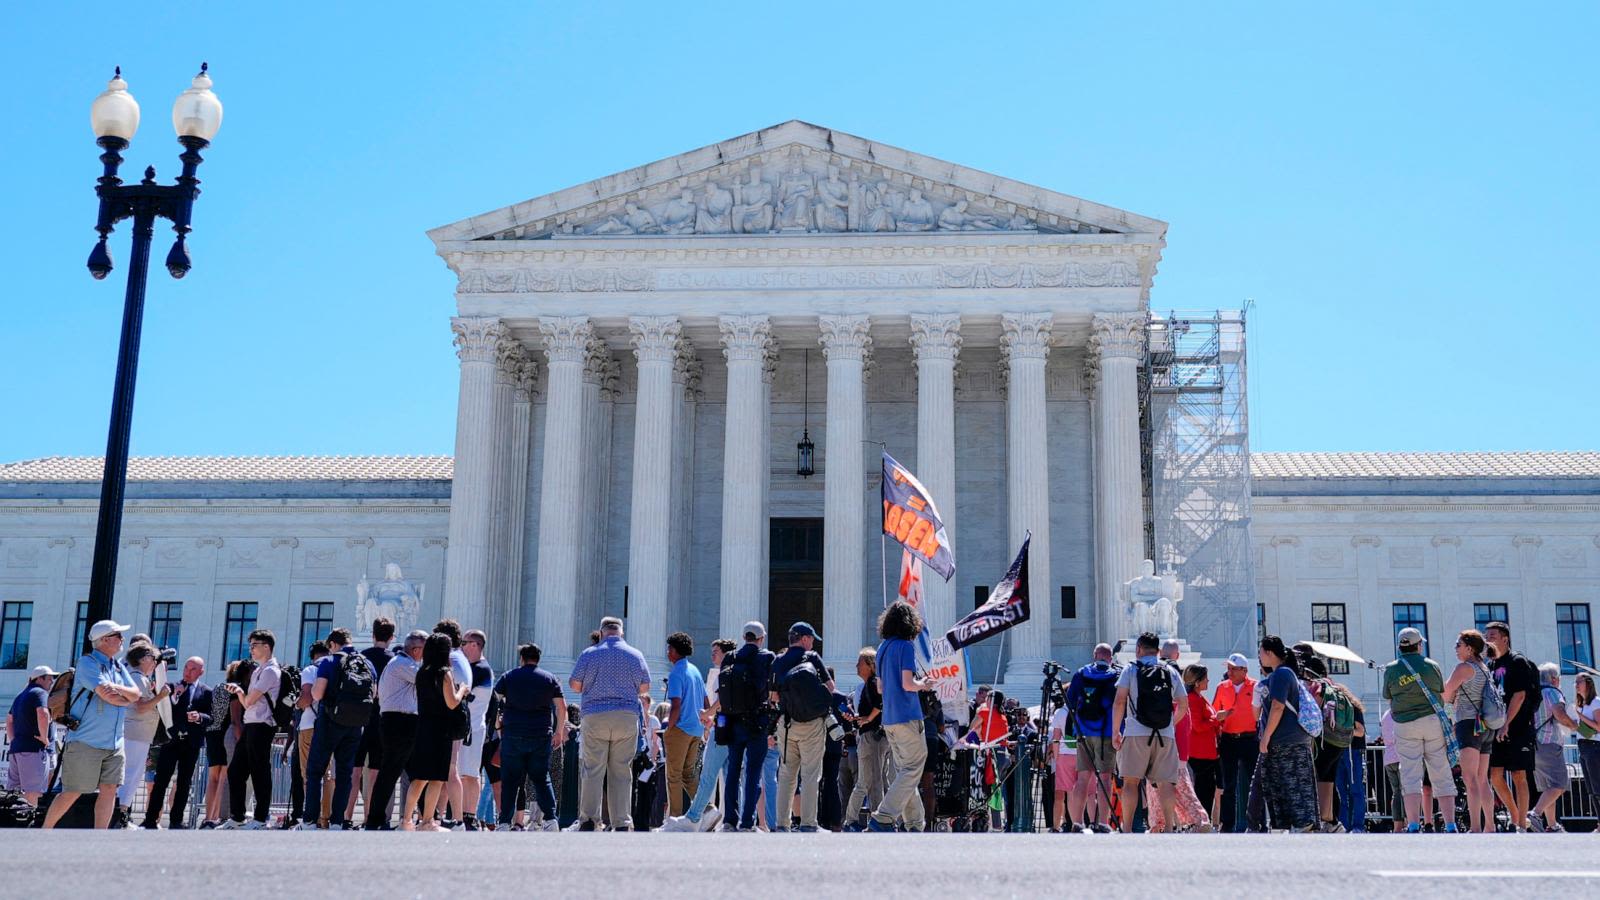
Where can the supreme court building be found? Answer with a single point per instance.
(640, 356)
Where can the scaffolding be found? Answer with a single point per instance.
(1195, 455)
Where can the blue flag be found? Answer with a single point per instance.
(1007, 605)
(910, 517)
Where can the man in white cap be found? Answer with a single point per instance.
(27, 732)
(102, 691)
(1237, 744)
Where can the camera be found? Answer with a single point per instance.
(1052, 669)
(835, 730)
(167, 655)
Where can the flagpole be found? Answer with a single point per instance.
(883, 548)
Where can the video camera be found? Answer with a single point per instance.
(167, 655)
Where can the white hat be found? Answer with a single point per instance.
(40, 672)
(104, 627)
(1238, 661)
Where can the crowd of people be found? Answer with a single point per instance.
(424, 735)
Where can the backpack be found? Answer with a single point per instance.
(737, 690)
(288, 695)
(805, 694)
(1493, 708)
(15, 810)
(353, 693)
(1099, 691)
(1152, 707)
(1309, 713)
(60, 699)
(1338, 716)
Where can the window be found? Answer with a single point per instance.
(1573, 637)
(236, 633)
(166, 623)
(80, 629)
(16, 626)
(1410, 615)
(1069, 602)
(316, 620)
(1484, 613)
(1261, 623)
(1327, 625)
(980, 595)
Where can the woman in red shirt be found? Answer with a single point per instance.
(1203, 765)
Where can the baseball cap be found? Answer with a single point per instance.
(803, 629)
(755, 629)
(40, 672)
(1410, 636)
(104, 627)
(1238, 661)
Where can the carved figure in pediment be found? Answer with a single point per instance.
(678, 216)
(641, 220)
(753, 213)
(610, 225)
(880, 211)
(716, 211)
(833, 202)
(1019, 222)
(795, 192)
(916, 215)
(956, 218)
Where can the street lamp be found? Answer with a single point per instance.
(196, 116)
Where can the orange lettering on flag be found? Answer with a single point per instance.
(916, 503)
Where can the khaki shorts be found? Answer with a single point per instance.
(1155, 759)
(85, 768)
(1096, 754)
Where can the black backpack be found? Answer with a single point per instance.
(288, 695)
(1098, 694)
(805, 693)
(1153, 706)
(738, 691)
(353, 692)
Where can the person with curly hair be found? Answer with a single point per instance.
(902, 718)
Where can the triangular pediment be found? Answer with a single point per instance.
(795, 179)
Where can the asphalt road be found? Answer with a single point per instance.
(483, 865)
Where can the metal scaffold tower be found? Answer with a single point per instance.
(1195, 449)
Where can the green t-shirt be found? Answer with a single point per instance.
(1405, 696)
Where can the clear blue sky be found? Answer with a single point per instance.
(1403, 189)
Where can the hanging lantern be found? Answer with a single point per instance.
(805, 450)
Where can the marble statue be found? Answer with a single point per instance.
(678, 216)
(917, 214)
(753, 213)
(795, 191)
(394, 598)
(716, 211)
(956, 218)
(1150, 602)
(641, 220)
(833, 202)
(880, 211)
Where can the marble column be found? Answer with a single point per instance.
(471, 489)
(1024, 344)
(1117, 341)
(655, 347)
(846, 343)
(683, 612)
(566, 347)
(936, 342)
(746, 344)
(508, 618)
(497, 620)
(601, 380)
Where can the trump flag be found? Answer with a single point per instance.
(910, 517)
(1007, 605)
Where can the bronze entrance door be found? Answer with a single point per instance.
(794, 592)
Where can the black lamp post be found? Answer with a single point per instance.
(196, 116)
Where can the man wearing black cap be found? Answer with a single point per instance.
(804, 693)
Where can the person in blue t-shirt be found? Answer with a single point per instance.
(685, 734)
(1091, 695)
(902, 717)
(533, 723)
(27, 732)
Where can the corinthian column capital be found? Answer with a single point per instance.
(509, 355)
(686, 365)
(655, 338)
(566, 338)
(746, 338)
(936, 336)
(476, 337)
(1118, 336)
(845, 337)
(1025, 335)
(526, 379)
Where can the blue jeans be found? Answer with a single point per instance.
(769, 787)
(331, 741)
(712, 768)
(1350, 784)
(747, 763)
(521, 759)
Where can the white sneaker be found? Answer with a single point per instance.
(680, 823)
(230, 825)
(253, 825)
(305, 826)
(710, 818)
(548, 825)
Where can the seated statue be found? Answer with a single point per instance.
(394, 598)
(641, 220)
(753, 213)
(833, 202)
(880, 212)
(1150, 602)
(678, 216)
(917, 214)
(716, 207)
